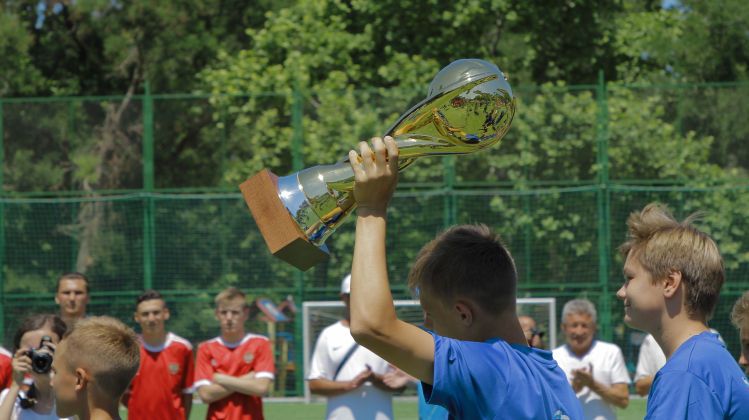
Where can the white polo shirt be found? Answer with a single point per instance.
(365, 402)
(607, 363)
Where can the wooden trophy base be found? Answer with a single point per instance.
(283, 236)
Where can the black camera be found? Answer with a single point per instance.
(41, 357)
(535, 332)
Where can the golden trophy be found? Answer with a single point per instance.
(469, 107)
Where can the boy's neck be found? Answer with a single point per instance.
(101, 410)
(505, 326)
(233, 337)
(675, 332)
(99, 414)
(154, 340)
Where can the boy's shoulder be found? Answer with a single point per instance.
(704, 358)
(179, 342)
(702, 351)
(491, 348)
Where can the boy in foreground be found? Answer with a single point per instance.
(162, 388)
(672, 280)
(93, 365)
(477, 363)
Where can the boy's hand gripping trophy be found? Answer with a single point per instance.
(469, 107)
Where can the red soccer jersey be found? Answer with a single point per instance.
(164, 375)
(6, 368)
(252, 354)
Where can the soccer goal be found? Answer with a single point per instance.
(317, 315)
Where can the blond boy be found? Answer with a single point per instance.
(93, 366)
(234, 370)
(672, 279)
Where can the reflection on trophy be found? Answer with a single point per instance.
(469, 107)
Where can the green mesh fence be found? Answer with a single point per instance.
(141, 193)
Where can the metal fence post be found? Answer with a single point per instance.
(297, 141)
(2, 225)
(73, 205)
(224, 223)
(450, 200)
(148, 186)
(603, 201)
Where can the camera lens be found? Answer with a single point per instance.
(41, 362)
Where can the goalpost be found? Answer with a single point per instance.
(316, 315)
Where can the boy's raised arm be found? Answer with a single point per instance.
(373, 320)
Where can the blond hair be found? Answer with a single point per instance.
(740, 312)
(229, 295)
(663, 245)
(107, 349)
(469, 261)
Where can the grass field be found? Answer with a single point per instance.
(403, 409)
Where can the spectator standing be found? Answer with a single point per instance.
(595, 369)
(162, 388)
(534, 337)
(30, 395)
(73, 295)
(350, 376)
(234, 370)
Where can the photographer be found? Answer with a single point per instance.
(30, 395)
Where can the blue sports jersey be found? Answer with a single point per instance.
(701, 380)
(494, 379)
(430, 411)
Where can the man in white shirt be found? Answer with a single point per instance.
(595, 369)
(350, 376)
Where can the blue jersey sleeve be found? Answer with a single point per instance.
(466, 382)
(681, 395)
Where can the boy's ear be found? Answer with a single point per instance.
(671, 283)
(81, 379)
(166, 313)
(465, 312)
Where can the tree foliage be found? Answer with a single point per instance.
(321, 75)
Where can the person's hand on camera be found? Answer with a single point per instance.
(21, 366)
(375, 173)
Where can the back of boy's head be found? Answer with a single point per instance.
(229, 295)
(107, 349)
(467, 261)
(661, 245)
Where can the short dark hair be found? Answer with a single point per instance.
(148, 295)
(72, 276)
(470, 261)
(36, 322)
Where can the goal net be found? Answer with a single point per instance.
(317, 315)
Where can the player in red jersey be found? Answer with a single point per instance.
(235, 369)
(6, 368)
(162, 388)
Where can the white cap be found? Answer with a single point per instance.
(346, 285)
